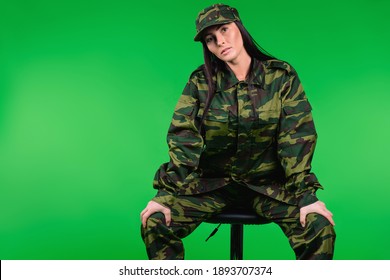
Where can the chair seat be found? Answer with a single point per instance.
(237, 216)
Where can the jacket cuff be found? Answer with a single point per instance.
(164, 198)
(307, 198)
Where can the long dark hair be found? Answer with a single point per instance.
(212, 64)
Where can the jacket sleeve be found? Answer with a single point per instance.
(296, 140)
(185, 146)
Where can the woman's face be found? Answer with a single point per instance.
(225, 42)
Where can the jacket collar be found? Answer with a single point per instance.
(226, 79)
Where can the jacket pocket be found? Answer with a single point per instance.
(214, 115)
(297, 119)
(266, 129)
(216, 127)
(184, 108)
(268, 117)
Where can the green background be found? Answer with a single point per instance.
(87, 91)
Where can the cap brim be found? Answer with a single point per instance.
(198, 36)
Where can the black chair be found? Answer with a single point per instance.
(237, 218)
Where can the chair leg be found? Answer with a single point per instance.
(236, 241)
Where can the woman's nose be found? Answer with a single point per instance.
(220, 40)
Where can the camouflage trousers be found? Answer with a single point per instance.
(314, 241)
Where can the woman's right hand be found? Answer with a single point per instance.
(154, 207)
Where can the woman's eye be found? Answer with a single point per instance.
(223, 29)
(209, 39)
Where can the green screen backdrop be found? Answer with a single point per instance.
(87, 91)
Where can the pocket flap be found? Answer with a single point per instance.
(184, 108)
(213, 114)
(299, 106)
(268, 117)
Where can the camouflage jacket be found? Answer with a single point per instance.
(258, 133)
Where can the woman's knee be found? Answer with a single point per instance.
(320, 224)
(317, 239)
(153, 224)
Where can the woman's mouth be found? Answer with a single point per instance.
(225, 51)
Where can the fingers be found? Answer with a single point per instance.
(152, 208)
(144, 217)
(317, 207)
(329, 216)
(167, 214)
(143, 212)
(330, 219)
(302, 218)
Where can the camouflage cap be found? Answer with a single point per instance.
(213, 15)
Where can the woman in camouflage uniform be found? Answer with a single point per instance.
(242, 134)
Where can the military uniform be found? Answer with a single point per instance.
(256, 151)
(251, 148)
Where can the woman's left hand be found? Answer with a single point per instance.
(316, 207)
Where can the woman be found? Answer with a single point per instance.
(242, 135)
